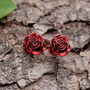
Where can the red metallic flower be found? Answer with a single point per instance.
(34, 44)
(59, 45)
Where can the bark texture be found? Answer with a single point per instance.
(20, 71)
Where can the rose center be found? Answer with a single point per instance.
(60, 45)
(34, 44)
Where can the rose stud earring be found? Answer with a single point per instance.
(59, 45)
(34, 44)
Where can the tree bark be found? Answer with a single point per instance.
(20, 71)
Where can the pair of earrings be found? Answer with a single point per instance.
(36, 44)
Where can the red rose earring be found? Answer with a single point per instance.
(59, 45)
(34, 44)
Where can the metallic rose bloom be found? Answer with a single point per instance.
(34, 44)
(59, 45)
